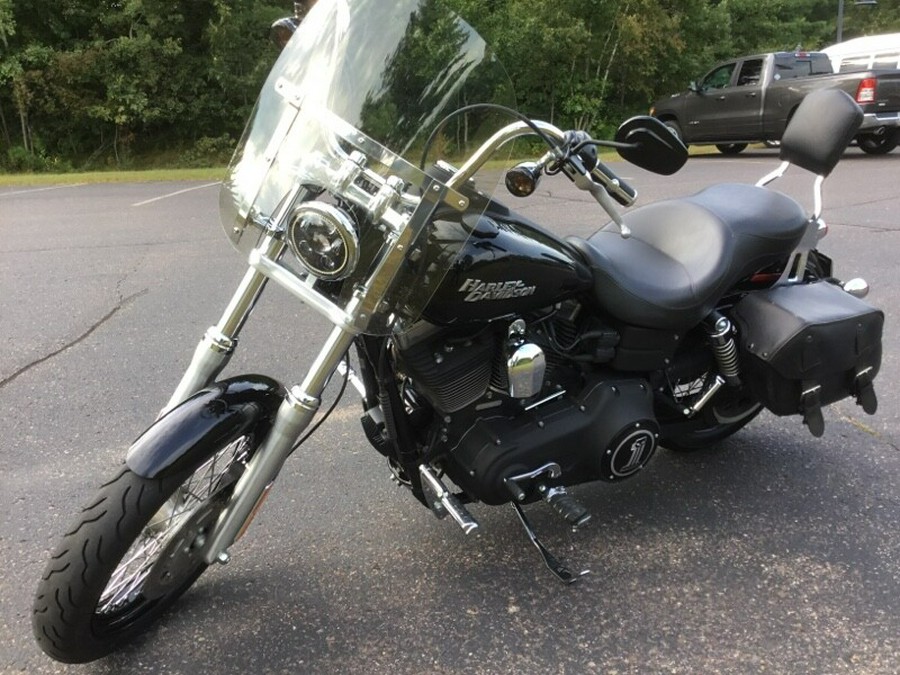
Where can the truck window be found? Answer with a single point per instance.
(750, 73)
(788, 66)
(885, 61)
(720, 77)
(855, 64)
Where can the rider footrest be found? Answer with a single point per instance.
(443, 502)
(375, 434)
(568, 507)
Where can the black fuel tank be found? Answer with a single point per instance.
(507, 266)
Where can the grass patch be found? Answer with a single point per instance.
(217, 173)
(112, 176)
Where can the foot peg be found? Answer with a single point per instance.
(560, 570)
(566, 506)
(444, 502)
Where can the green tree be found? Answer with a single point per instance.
(96, 81)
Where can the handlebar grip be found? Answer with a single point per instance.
(617, 188)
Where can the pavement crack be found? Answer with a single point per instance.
(109, 315)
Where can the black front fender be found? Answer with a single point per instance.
(190, 433)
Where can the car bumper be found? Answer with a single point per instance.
(872, 121)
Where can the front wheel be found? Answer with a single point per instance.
(731, 148)
(675, 128)
(133, 551)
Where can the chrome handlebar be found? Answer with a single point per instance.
(601, 175)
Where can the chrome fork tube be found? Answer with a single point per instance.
(294, 415)
(215, 349)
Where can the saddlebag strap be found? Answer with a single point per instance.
(811, 407)
(864, 390)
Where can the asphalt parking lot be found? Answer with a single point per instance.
(773, 552)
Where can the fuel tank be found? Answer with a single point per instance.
(507, 266)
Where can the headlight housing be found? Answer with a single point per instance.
(324, 239)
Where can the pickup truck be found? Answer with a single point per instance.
(751, 99)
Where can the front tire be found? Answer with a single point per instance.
(675, 128)
(132, 552)
(731, 148)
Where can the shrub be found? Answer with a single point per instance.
(209, 151)
(20, 160)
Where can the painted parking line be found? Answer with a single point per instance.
(177, 192)
(43, 189)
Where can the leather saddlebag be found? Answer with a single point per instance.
(804, 346)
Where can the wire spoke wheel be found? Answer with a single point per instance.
(728, 412)
(134, 551)
(170, 525)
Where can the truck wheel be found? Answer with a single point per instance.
(878, 144)
(731, 148)
(675, 129)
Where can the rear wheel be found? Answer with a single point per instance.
(878, 144)
(728, 412)
(133, 551)
(731, 409)
(731, 148)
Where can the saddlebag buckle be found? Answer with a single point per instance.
(864, 390)
(811, 407)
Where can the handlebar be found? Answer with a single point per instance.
(623, 193)
(618, 189)
(600, 181)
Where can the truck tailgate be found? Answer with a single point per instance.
(887, 92)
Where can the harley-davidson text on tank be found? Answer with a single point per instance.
(477, 290)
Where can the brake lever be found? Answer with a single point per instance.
(580, 144)
(583, 180)
(618, 189)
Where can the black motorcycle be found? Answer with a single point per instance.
(496, 361)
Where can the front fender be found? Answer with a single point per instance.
(190, 433)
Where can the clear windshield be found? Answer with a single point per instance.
(344, 118)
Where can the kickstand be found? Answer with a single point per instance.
(562, 572)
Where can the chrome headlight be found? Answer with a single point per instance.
(324, 239)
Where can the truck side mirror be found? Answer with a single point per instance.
(694, 87)
(282, 30)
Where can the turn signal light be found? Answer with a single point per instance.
(523, 179)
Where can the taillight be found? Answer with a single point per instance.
(865, 93)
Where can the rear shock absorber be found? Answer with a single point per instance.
(721, 338)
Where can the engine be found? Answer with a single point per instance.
(526, 405)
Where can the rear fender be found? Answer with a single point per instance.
(187, 435)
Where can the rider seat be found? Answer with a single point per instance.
(684, 254)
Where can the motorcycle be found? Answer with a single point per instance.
(497, 362)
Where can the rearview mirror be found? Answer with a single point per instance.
(651, 145)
